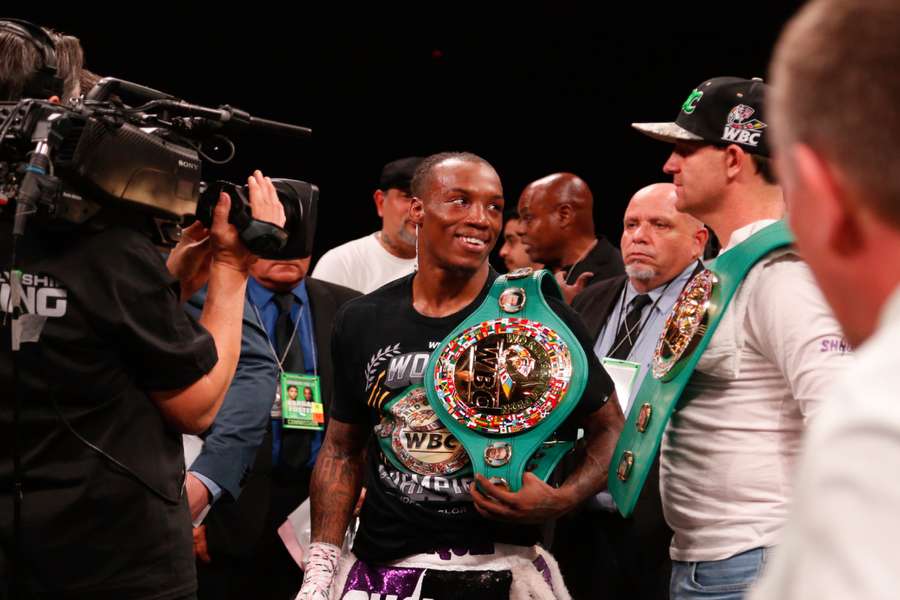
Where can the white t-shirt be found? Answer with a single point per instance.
(728, 455)
(842, 539)
(362, 265)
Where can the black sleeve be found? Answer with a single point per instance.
(599, 385)
(130, 295)
(349, 402)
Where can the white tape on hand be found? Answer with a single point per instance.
(321, 567)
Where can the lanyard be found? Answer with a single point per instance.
(580, 258)
(280, 361)
(640, 329)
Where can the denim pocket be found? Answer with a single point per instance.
(732, 574)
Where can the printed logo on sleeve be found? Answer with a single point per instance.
(835, 344)
(31, 302)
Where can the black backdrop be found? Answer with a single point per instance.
(533, 90)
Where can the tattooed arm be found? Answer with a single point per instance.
(536, 501)
(336, 480)
(602, 429)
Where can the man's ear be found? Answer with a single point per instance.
(416, 211)
(701, 236)
(378, 196)
(736, 160)
(565, 214)
(837, 213)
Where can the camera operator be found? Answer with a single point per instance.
(109, 371)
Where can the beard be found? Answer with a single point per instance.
(406, 237)
(640, 272)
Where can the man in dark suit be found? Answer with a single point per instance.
(557, 215)
(244, 556)
(230, 445)
(629, 558)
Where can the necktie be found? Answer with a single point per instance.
(290, 447)
(287, 334)
(630, 328)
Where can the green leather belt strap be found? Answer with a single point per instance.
(658, 398)
(517, 313)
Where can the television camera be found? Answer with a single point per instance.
(99, 161)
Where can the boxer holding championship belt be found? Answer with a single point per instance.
(507, 377)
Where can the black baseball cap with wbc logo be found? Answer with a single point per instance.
(720, 111)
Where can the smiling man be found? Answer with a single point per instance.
(625, 315)
(425, 531)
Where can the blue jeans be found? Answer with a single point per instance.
(726, 579)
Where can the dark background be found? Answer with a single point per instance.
(533, 90)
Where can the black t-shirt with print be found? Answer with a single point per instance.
(101, 326)
(417, 474)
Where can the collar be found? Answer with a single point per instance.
(260, 296)
(741, 234)
(674, 284)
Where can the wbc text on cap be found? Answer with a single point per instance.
(721, 111)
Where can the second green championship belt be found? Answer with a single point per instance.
(688, 330)
(507, 377)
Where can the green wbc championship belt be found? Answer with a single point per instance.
(414, 440)
(687, 332)
(507, 377)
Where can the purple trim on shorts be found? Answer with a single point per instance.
(541, 565)
(397, 581)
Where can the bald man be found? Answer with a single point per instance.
(661, 248)
(557, 212)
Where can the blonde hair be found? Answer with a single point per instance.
(836, 87)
